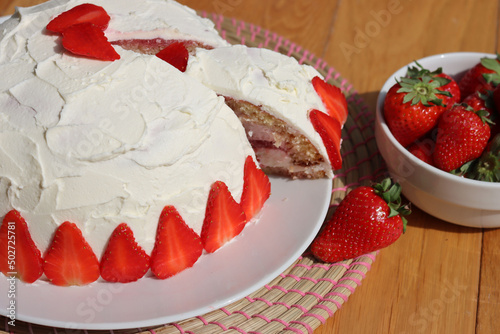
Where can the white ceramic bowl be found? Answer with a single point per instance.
(448, 197)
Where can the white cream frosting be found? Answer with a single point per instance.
(275, 82)
(99, 143)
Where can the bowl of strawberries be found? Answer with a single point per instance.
(438, 129)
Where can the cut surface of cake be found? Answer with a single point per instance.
(272, 94)
(108, 145)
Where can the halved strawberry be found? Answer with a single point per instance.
(86, 39)
(176, 54)
(329, 130)
(80, 14)
(256, 189)
(19, 255)
(224, 218)
(123, 260)
(333, 99)
(69, 259)
(177, 246)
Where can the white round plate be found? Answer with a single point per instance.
(287, 225)
(289, 222)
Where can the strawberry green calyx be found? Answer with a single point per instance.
(419, 71)
(422, 85)
(485, 116)
(487, 167)
(466, 170)
(494, 65)
(423, 90)
(391, 193)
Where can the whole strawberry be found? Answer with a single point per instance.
(413, 105)
(366, 220)
(462, 136)
(485, 75)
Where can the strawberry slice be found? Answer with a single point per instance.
(177, 246)
(84, 13)
(19, 255)
(329, 130)
(123, 260)
(333, 99)
(86, 39)
(224, 218)
(256, 189)
(176, 54)
(69, 259)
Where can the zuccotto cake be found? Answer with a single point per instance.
(113, 162)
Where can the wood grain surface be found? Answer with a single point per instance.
(439, 277)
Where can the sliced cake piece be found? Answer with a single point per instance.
(273, 96)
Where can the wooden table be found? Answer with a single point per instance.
(439, 277)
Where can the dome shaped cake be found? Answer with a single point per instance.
(115, 162)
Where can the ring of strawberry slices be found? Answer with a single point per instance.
(69, 260)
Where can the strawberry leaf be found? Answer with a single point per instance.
(419, 71)
(391, 193)
(487, 167)
(494, 65)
